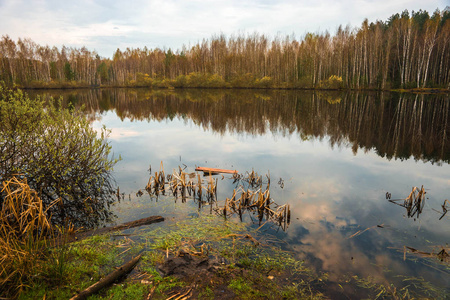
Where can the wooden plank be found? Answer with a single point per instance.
(214, 170)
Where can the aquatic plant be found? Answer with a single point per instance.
(413, 204)
(248, 195)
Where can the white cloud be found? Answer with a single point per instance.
(107, 25)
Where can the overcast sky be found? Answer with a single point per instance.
(105, 25)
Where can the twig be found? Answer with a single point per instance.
(149, 296)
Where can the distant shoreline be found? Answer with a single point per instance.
(74, 87)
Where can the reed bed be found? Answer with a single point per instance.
(248, 196)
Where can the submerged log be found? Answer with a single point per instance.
(206, 170)
(136, 223)
(83, 235)
(108, 280)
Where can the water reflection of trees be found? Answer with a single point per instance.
(394, 125)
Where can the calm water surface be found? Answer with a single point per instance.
(337, 155)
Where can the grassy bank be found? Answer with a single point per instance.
(238, 267)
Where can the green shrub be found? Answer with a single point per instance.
(143, 80)
(164, 84)
(59, 154)
(215, 81)
(303, 82)
(265, 82)
(333, 83)
(243, 81)
(181, 81)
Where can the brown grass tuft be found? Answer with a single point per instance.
(24, 224)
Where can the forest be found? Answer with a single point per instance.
(409, 50)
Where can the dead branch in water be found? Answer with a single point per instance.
(128, 225)
(442, 255)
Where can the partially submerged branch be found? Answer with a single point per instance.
(128, 225)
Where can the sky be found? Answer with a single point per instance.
(105, 25)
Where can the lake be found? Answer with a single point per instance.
(336, 158)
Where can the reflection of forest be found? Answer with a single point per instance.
(394, 125)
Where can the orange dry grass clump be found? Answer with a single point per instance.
(23, 228)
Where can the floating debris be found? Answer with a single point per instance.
(281, 183)
(442, 255)
(359, 232)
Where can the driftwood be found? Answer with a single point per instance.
(136, 223)
(206, 170)
(108, 280)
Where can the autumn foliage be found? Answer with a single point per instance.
(406, 51)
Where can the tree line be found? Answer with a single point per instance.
(409, 50)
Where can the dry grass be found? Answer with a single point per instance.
(24, 224)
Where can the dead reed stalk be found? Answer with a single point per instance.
(24, 226)
(414, 203)
(242, 199)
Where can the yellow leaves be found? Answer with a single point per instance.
(334, 82)
(265, 82)
(335, 78)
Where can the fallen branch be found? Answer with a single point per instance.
(150, 295)
(137, 223)
(359, 232)
(108, 280)
(180, 296)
